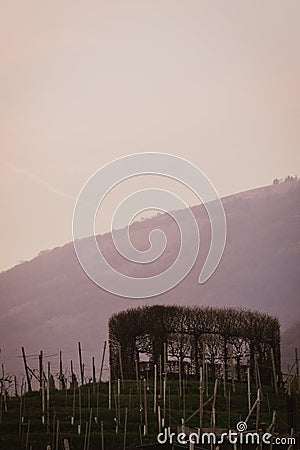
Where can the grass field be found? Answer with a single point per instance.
(22, 426)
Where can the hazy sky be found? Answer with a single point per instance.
(82, 83)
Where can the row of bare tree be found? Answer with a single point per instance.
(218, 337)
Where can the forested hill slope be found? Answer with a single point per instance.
(50, 304)
(290, 340)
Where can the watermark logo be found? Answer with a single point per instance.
(241, 436)
(101, 183)
(241, 426)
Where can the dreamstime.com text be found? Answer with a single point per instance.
(233, 437)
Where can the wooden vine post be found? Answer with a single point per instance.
(26, 370)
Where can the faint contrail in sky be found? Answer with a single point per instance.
(36, 179)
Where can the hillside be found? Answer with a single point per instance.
(61, 402)
(50, 304)
(290, 340)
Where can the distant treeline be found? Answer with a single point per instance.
(288, 178)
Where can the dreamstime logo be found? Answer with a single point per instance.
(240, 437)
(99, 186)
(241, 426)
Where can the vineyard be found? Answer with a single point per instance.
(197, 371)
(126, 414)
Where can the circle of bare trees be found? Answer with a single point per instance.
(223, 339)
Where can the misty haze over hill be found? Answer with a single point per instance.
(50, 304)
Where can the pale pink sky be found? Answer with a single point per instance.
(82, 83)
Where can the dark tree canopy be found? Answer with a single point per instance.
(192, 337)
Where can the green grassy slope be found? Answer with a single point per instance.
(61, 408)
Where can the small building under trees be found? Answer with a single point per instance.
(224, 341)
